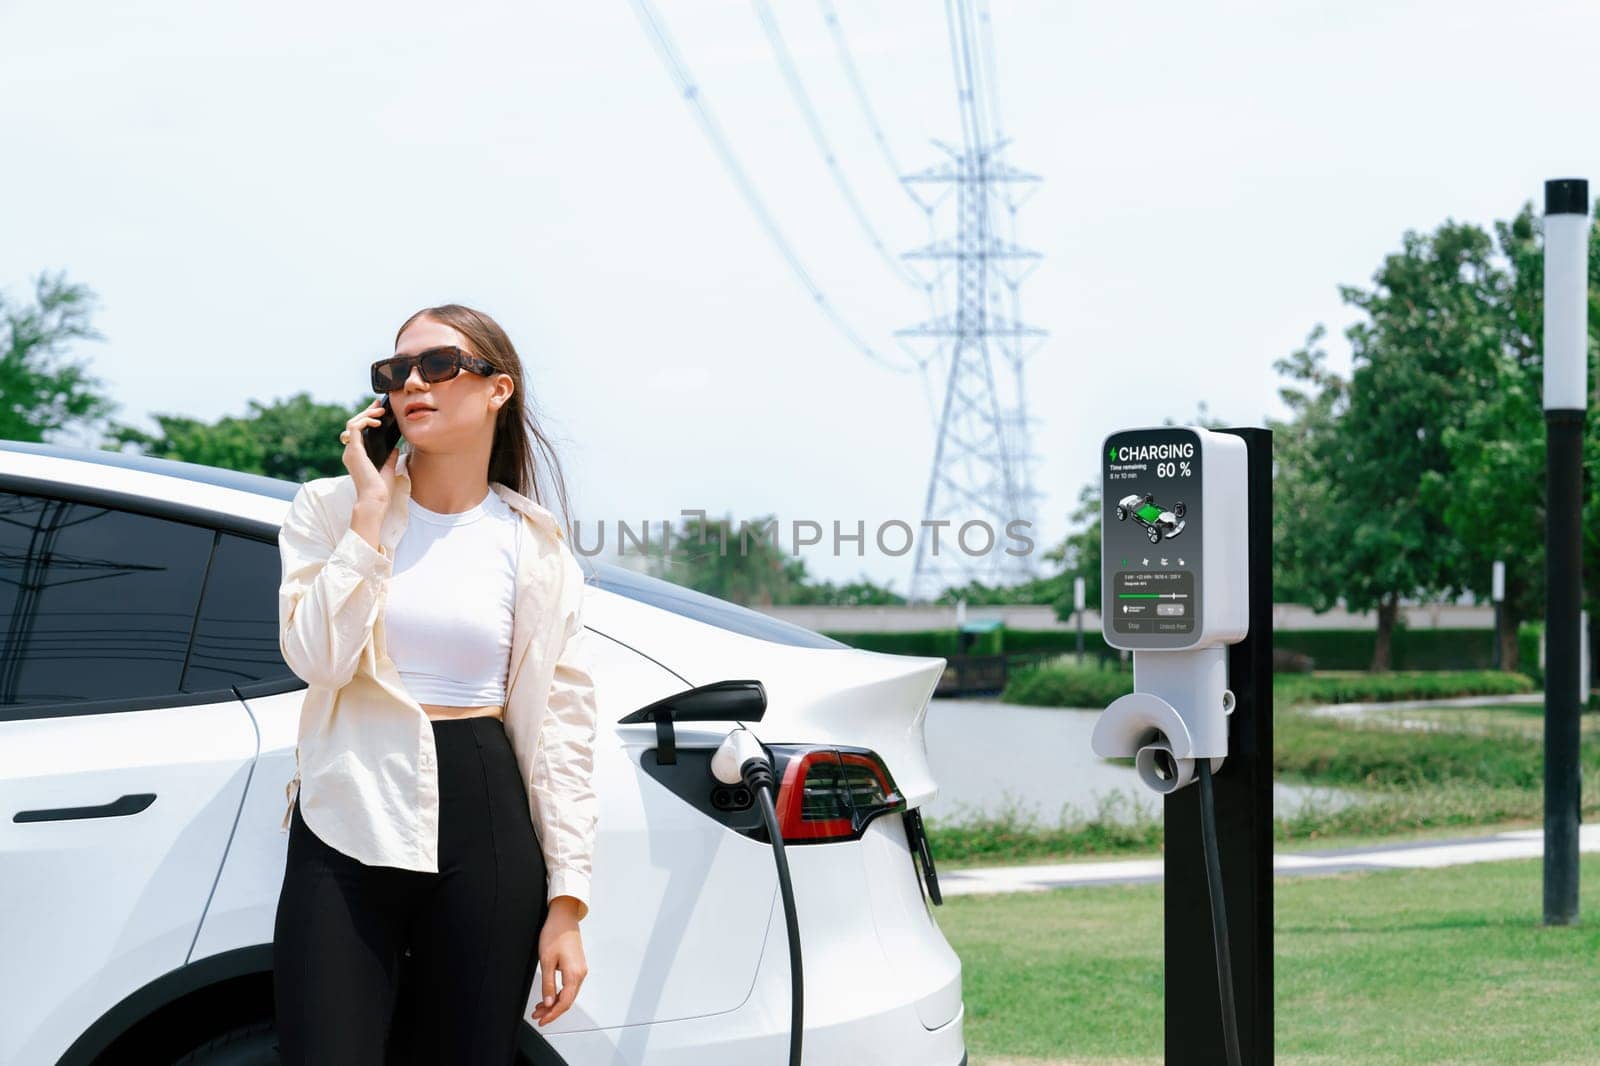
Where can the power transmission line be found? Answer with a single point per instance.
(802, 100)
(830, 15)
(991, 82)
(1012, 347)
(692, 95)
(933, 286)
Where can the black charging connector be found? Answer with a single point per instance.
(757, 774)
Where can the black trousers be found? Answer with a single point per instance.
(380, 965)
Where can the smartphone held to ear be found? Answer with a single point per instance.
(381, 439)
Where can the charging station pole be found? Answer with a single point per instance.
(1186, 586)
(1243, 789)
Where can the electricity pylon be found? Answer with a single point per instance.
(982, 473)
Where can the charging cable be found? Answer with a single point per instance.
(1219, 913)
(741, 758)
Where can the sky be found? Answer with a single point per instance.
(260, 194)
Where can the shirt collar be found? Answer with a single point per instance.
(516, 500)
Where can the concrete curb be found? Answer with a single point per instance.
(1355, 710)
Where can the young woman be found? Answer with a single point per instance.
(442, 808)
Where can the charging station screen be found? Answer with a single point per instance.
(1150, 538)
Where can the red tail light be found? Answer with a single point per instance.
(829, 794)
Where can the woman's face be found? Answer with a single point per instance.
(450, 413)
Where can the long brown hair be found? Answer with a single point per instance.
(512, 458)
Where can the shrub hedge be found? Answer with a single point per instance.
(1066, 685)
(945, 642)
(1376, 688)
(1329, 649)
(1412, 649)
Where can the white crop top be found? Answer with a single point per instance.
(450, 604)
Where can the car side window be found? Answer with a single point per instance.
(95, 603)
(236, 635)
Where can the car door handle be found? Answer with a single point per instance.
(132, 803)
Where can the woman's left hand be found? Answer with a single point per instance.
(560, 949)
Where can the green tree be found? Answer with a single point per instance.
(1078, 554)
(859, 593)
(978, 594)
(1591, 454)
(1305, 535)
(295, 439)
(1424, 354)
(718, 557)
(1495, 505)
(40, 391)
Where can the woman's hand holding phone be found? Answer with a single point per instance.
(374, 486)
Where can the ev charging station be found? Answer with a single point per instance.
(1186, 586)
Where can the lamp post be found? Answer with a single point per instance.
(1566, 401)
(1497, 593)
(1077, 608)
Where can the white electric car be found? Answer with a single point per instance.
(147, 730)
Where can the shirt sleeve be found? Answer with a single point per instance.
(568, 807)
(329, 597)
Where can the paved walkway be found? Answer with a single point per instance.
(1519, 844)
(1356, 710)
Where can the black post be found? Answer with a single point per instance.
(1497, 593)
(1080, 636)
(1243, 797)
(1496, 660)
(1563, 601)
(1566, 401)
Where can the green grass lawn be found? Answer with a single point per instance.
(1424, 966)
(1440, 769)
(1435, 772)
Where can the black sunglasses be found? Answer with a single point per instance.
(436, 364)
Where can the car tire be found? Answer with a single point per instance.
(1155, 536)
(1179, 509)
(1122, 514)
(250, 1044)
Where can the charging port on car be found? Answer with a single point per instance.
(731, 797)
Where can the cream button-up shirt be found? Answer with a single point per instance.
(366, 773)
